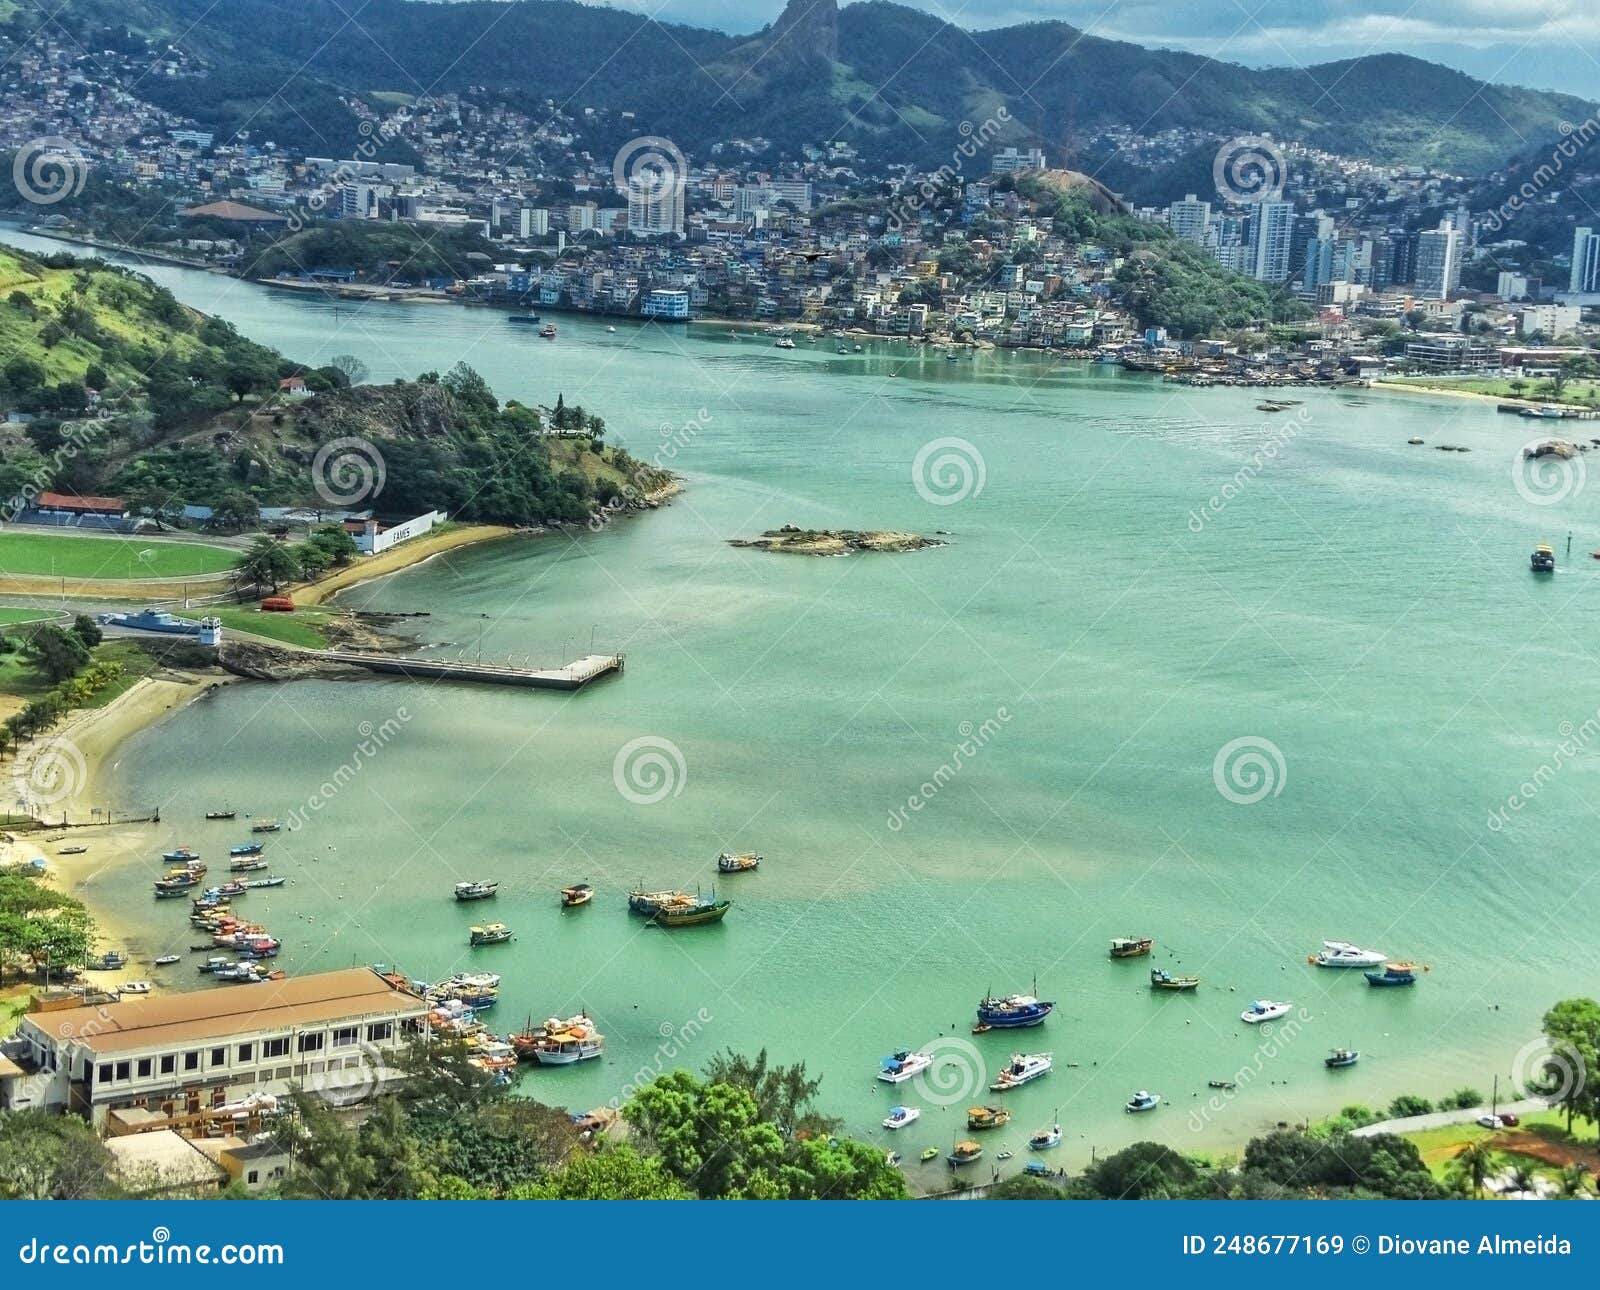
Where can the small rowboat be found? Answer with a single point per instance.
(928, 1154)
(580, 893)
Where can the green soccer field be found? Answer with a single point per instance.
(65, 555)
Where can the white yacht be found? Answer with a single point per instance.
(1022, 1068)
(1264, 1010)
(1342, 954)
(900, 1116)
(903, 1065)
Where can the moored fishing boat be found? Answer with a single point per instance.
(166, 960)
(1342, 954)
(1131, 947)
(902, 1065)
(1543, 559)
(475, 890)
(1161, 979)
(1394, 974)
(649, 903)
(1049, 1137)
(745, 862)
(1014, 1010)
(1341, 1057)
(1264, 1010)
(249, 864)
(562, 1043)
(265, 826)
(900, 1116)
(489, 934)
(245, 849)
(987, 1117)
(964, 1153)
(224, 814)
(266, 882)
(580, 893)
(181, 856)
(1023, 1068)
(1143, 1100)
(695, 914)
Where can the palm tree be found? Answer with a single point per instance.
(1574, 1181)
(1475, 1162)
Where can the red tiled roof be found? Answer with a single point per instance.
(71, 502)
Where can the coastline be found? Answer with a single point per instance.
(397, 558)
(97, 734)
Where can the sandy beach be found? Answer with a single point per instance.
(97, 735)
(401, 557)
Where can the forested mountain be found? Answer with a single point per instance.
(896, 81)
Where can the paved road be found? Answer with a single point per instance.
(1439, 1119)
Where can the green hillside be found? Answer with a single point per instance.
(189, 411)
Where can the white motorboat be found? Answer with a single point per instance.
(134, 987)
(1143, 1101)
(1022, 1068)
(903, 1065)
(167, 959)
(900, 1116)
(1342, 954)
(1047, 1138)
(1264, 1010)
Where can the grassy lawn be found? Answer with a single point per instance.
(12, 1010)
(1538, 391)
(136, 664)
(66, 556)
(10, 614)
(1540, 1144)
(303, 627)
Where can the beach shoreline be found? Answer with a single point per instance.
(93, 738)
(404, 556)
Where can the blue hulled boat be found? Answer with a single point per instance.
(1394, 974)
(1013, 1011)
(245, 849)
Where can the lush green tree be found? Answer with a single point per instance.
(87, 630)
(1572, 1069)
(1473, 1163)
(56, 653)
(44, 1156)
(1407, 1105)
(1144, 1171)
(268, 563)
(784, 1095)
(611, 1173)
(236, 510)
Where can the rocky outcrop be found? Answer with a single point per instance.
(798, 541)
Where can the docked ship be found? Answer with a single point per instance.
(560, 1043)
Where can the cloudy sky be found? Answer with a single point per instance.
(1551, 44)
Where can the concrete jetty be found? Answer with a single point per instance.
(574, 676)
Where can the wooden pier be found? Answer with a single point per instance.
(574, 676)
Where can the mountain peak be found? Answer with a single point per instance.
(808, 27)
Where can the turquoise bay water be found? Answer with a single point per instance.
(1360, 604)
